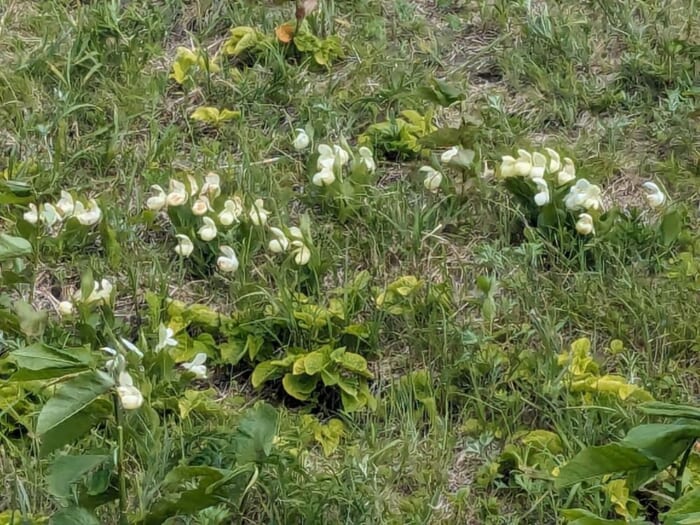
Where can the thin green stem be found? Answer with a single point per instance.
(681, 469)
(120, 461)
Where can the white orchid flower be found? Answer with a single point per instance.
(90, 216)
(295, 233)
(542, 195)
(208, 230)
(567, 173)
(228, 262)
(184, 246)
(201, 206)
(554, 160)
(65, 204)
(130, 396)
(101, 293)
(280, 243)
(448, 155)
(196, 366)
(131, 347)
(654, 195)
(523, 164)
(194, 186)
(301, 141)
(233, 209)
(325, 177)
(31, 216)
(177, 195)
(117, 362)
(584, 225)
(584, 196)
(326, 159)
(301, 252)
(507, 166)
(341, 156)
(539, 165)
(166, 338)
(212, 185)
(158, 200)
(65, 308)
(433, 178)
(258, 214)
(367, 159)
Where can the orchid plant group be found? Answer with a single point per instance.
(53, 216)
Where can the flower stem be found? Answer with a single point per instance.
(681, 469)
(119, 414)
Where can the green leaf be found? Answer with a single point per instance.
(583, 517)
(355, 363)
(232, 351)
(299, 386)
(670, 227)
(40, 357)
(74, 516)
(71, 411)
(314, 362)
(206, 114)
(264, 372)
(662, 443)
(11, 247)
(66, 470)
(657, 408)
(255, 433)
(31, 322)
(598, 461)
(685, 510)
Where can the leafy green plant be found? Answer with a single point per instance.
(646, 451)
(400, 136)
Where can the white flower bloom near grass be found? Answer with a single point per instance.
(654, 195)
(301, 141)
(130, 396)
(433, 178)
(184, 245)
(208, 230)
(227, 261)
(197, 366)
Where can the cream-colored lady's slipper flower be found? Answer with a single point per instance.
(507, 166)
(654, 195)
(90, 216)
(101, 293)
(584, 196)
(258, 214)
(65, 204)
(130, 396)
(433, 178)
(367, 159)
(117, 363)
(233, 209)
(584, 225)
(158, 200)
(295, 233)
(567, 173)
(184, 246)
(448, 155)
(542, 195)
(212, 185)
(301, 141)
(194, 186)
(341, 156)
(201, 206)
(177, 195)
(166, 338)
(326, 157)
(539, 165)
(208, 230)
(196, 366)
(131, 347)
(523, 164)
(228, 262)
(280, 243)
(31, 216)
(301, 252)
(65, 308)
(554, 160)
(325, 177)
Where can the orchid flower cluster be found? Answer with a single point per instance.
(551, 175)
(331, 162)
(293, 240)
(54, 215)
(130, 396)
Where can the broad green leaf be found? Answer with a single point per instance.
(657, 408)
(256, 433)
(232, 351)
(228, 114)
(70, 412)
(299, 386)
(205, 114)
(329, 435)
(314, 362)
(685, 510)
(298, 366)
(74, 516)
(11, 247)
(40, 357)
(66, 470)
(31, 322)
(662, 443)
(670, 227)
(264, 372)
(598, 461)
(355, 363)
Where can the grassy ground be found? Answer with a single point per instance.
(87, 105)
